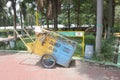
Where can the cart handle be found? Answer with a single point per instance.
(28, 35)
(21, 38)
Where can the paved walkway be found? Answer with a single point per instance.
(19, 66)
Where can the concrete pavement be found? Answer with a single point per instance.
(24, 66)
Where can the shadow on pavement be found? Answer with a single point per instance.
(96, 71)
(72, 64)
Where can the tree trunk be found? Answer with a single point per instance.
(48, 14)
(68, 15)
(113, 15)
(47, 22)
(14, 20)
(56, 15)
(110, 17)
(99, 25)
(21, 20)
(78, 12)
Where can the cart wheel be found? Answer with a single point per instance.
(48, 61)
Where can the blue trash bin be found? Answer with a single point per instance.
(89, 51)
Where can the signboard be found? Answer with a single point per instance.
(81, 34)
(72, 33)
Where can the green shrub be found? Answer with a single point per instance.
(107, 50)
(78, 51)
(90, 39)
(3, 34)
(117, 28)
(20, 45)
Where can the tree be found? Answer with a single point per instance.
(76, 5)
(99, 25)
(55, 4)
(27, 9)
(14, 21)
(65, 16)
(111, 11)
(3, 13)
(50, 8)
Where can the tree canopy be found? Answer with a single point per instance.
(66, 12)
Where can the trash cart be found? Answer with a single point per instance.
(53, 48)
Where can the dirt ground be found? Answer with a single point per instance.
(24, 66)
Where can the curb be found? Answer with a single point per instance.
(14, 51)
(75, 58)
(98, 62)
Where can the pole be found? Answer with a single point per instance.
(37, 23)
